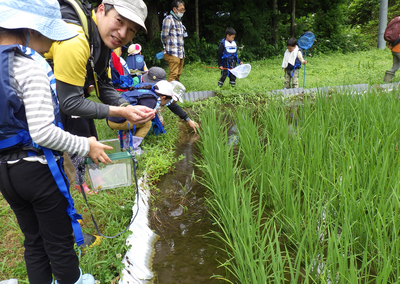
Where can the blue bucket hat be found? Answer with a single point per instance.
(43, 16)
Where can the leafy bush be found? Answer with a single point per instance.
(351, 41)
(198, 50)
(347, 39)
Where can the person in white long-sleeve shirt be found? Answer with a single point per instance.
(291, 63)
(31, 176)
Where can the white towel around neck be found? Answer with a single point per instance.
(290, 57)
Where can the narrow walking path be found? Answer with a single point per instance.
(358, 88)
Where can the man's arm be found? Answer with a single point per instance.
(220, 51)
(108, 94)
(166, 26)
(72, 102)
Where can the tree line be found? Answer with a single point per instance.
(263, 26)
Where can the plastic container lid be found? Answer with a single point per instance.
(114, 157)
(115, 143)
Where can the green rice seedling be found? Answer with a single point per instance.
(233, 205)
(248, 135)
(329, 187)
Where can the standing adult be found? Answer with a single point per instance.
(172, 34)
(83, 61)
(389, 74)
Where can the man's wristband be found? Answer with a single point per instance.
(187, 119)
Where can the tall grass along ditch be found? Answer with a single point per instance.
(307, 195)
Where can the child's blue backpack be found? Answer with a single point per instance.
(144, 97)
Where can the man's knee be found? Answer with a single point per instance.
(171, 59)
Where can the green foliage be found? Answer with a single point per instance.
(329, 18)
(363, 15)
(353, 41)
(104, 261)
(159, 156)
(263, 50)
(331, 21)
(198, 50)
(361, 12)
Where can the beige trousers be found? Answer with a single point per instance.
(175, 66)
(294, 79)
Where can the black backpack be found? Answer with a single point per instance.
(79, 12)
(81, 9)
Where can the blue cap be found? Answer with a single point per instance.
(43, 16)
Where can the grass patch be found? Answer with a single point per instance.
(321, 71)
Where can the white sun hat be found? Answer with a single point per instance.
(134, 48)
(166, 88)
(43, 16)
(179, 89)
(134, 10)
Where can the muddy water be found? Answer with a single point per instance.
(181, 219)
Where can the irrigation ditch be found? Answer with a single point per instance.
(184, 253)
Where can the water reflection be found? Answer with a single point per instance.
(183, 254)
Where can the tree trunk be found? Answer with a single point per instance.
(196, 3)
(152, 24)
(293, 19)
(274, 22)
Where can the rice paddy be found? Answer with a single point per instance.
(307, 194)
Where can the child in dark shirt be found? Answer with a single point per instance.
(227, 57)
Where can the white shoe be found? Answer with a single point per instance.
(83, 279)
